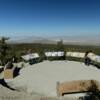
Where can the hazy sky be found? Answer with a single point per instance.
(49, 17)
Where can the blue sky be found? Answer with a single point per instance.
(49, 18)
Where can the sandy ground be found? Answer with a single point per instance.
(40, 79)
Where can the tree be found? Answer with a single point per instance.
(3, 50)
(60, 45)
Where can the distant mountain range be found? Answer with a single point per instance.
(53, 40)
(32, 40)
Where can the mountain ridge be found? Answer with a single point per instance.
(53, 40)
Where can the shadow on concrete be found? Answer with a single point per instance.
(3, 83)
(16, 72)
(96, 65)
